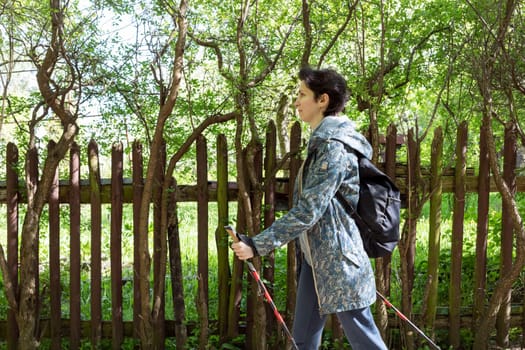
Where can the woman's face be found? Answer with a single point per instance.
(310, 110)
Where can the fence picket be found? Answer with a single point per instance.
(256, 335)
(457, 238)
(74, 248)
(32, 186)
(507, 234)
(202, 232)
(221, 237)
(96, 244)
(383, 264)
(117, 326)
(270, 164)
(55, 287)
(407, 243)
(434, 235)
(138, 186)
(480, 268)
(179, 308)
(291, 261)
(159, 247)
(12, 200)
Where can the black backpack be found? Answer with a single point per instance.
(377, 214)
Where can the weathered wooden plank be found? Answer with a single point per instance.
(55, 287)
(96, 244)
(394, 323)
(202, 239)
(12, 198)
(270, 165)
(188, 193)
(116, 245)
(159, 241)
(407, 242)
(480, 267)
(457, 238)
(221, 237)
(176, 273)
(74, 247)
(383, 265)
(291, 260)
(507, 234)
(434, 237)
(33, 181)
(138, 186)
(256, 337)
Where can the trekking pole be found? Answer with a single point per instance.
(264, 291)
(404, 318)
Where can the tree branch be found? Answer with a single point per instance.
(351, 9)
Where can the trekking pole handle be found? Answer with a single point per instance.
(232, 233)
(264, 291)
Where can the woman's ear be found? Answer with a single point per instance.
(324, 99)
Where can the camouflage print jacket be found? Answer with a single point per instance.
(342, 271)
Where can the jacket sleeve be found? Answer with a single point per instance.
(328, 167)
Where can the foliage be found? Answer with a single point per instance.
(428, 44)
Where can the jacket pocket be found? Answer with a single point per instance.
(348, 248)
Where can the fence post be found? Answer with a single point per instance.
(221, 237)
(55, 288)
(434, 229)
(383, 265)
(507, 233)
(457, 238)
(32, 188)
(138, 186)
(96, 244)
(480, 268)
(12, 198)
(202, 242)
(256, 313)
(291, 276)
(159, 244)
(74, 247)
(234, 305)
(270, 165)
(116, 245)
(177, 280)
(407, 242)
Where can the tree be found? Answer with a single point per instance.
(59, 82)
(245, 61)
(495, 67)
(168, 57)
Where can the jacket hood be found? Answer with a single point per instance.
(342, 129)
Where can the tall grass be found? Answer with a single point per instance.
(188, 241)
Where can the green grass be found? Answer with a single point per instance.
(188, 241)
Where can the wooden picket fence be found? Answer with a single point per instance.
(413, 179)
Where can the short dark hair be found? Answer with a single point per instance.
(326, 81)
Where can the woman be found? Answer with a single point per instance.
(337, 276)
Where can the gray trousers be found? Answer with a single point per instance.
(358, 325)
